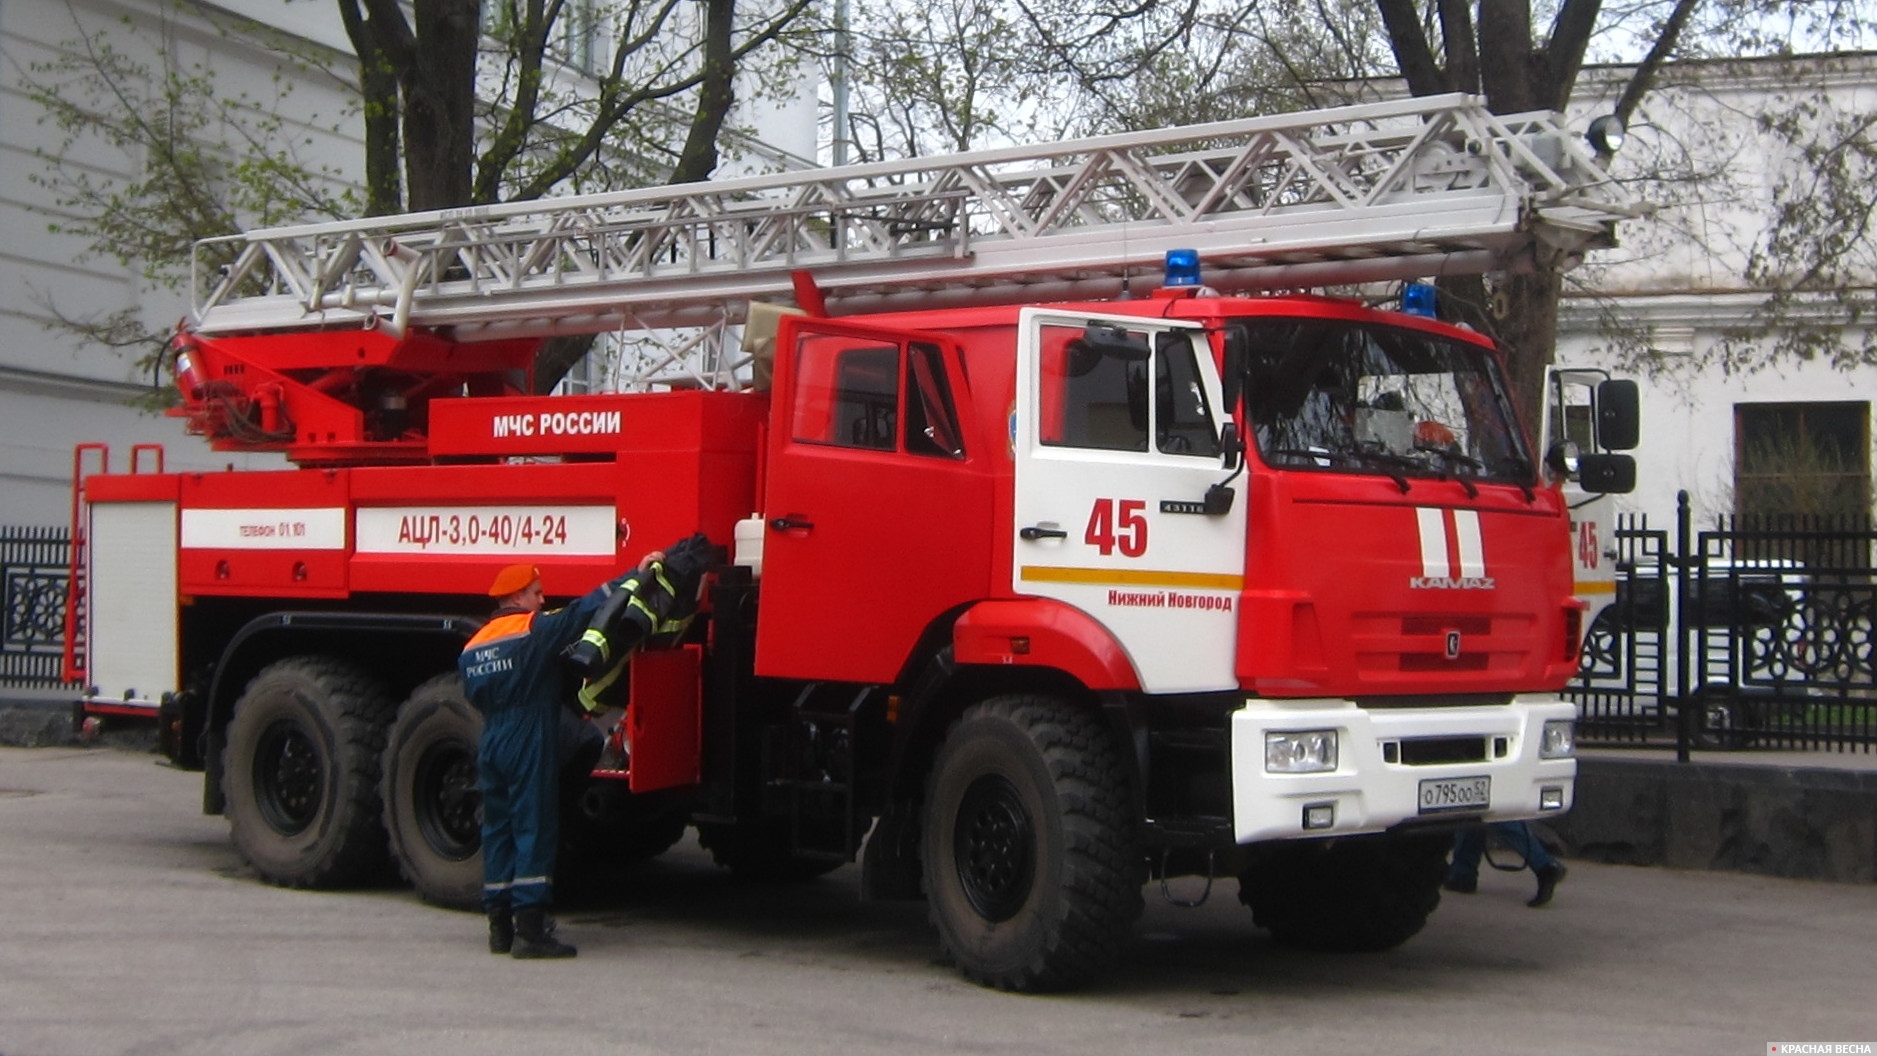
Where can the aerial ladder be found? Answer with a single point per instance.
(1373, 192)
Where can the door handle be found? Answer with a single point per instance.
(785, 524)
(1033, 532)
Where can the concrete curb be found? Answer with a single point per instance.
(1805, 822)
(35, 725)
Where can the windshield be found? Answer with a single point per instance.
(1335, 396)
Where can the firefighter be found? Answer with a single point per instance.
(510, 676)
(654, 606)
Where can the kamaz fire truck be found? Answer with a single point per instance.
(1043, 577)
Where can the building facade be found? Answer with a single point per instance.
(290, 61)
(1675, 305)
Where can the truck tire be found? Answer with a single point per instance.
(1360, 894)
(432, 807)
(1033, 871)
(761, 853)
(1720, 719)
(301, 773)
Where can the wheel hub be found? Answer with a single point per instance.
(446, 800)
(289, 778)
(994, 846)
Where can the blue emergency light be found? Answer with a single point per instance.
(1182, 267)
(1417, 298)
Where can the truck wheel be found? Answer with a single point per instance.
(761, 853)
(1032, 870)
(301, 773)
(1360, 894)
(1721, 720)
(433, 809)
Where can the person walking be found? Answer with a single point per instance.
(1469, 845)
(511, 675)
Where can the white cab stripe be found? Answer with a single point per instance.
(1472, 552)
(1433, 543)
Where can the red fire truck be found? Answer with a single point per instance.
(1038, 583)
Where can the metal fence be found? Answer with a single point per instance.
(1756, 633)
(34, 565)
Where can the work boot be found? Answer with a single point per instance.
(534, 930)
(1548, 877)
(501, 930)
(1461, 885)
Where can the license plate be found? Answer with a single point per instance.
(1455, 793)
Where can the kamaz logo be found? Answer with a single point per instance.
(1450, 583)
(1452, 555)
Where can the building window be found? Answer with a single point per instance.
(579, 45)
(1806, 459)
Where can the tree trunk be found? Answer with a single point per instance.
(1520, 313)
(378, 97)
(715, 95)
(1515, 74)
(440, 104)
(696, 162)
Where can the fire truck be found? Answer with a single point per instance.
(1043, 577)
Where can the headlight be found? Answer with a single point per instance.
(1300, 752)
(1560, 739)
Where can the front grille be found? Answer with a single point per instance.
(1437, 751)
(1440, 625)
(1426, 662)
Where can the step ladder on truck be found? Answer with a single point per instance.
(1035, 589)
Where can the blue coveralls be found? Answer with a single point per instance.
(1469, 844)
(510, 676)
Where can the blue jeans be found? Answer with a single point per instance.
(1469, 844)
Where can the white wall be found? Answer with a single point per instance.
(56, 391)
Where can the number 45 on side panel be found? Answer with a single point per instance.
(1118, 524)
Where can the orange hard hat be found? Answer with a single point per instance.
(512, 579)
(1433, 434)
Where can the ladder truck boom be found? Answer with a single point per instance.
(1359, 193)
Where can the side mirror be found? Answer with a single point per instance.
(1237, 361)
(1230, 446)
(1219, 500)
(1562, 459)
(1607, 474)
(1619, 415)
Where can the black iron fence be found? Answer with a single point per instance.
(1756, 633)
(34, 566)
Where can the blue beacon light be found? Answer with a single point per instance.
(1182, 267)
(1417, 298)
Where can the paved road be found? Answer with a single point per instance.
(129, 925)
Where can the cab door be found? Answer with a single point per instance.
(877, 502)
(1116, 447)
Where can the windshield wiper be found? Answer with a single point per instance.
(1391, 465)
(1449, 459)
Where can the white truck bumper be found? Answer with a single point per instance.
(1388, 767)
